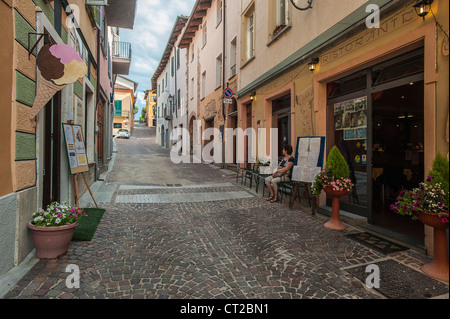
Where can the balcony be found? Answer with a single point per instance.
(121, 14)
(120, 113)
(167, 116)
(121, 57)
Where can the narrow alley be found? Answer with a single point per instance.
(189, 231)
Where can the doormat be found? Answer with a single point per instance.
(88, 225)
(398, 281)
(379, 244)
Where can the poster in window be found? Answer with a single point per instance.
(351, 117)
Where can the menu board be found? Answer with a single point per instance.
(309, 158)
(76, 149)
(351, 117)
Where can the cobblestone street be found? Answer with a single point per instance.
(189, 231)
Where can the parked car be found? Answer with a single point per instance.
(123, 133)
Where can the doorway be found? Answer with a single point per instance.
(100, 124)
(376, 119)
(281, 114)
(398, 152)
(52, 154)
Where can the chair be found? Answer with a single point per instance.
(248, 173)
(241, 167)
(260, 174)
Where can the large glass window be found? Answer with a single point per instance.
(376, 120)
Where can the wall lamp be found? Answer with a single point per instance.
(313, 64)
(252, 95)
(296, 4)
(423, 7)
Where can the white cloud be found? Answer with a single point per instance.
(153, 24)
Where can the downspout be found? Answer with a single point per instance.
(176, 87)
(97, 96)
(223, 83)
(223, 59)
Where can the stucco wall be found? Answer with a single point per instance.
(6, 82)
(306, 25)
(8, 206)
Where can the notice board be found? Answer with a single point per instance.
(309, 158)
(76, 148)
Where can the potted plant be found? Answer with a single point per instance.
(429, 204)
(52, 229)
(335, 181)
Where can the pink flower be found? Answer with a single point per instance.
(72, 210)
(75, 215)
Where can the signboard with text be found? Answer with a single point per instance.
(76, 149)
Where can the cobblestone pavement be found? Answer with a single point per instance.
(217, 240)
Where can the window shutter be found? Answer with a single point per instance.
(118, 108)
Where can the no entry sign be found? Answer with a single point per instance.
(228, 93)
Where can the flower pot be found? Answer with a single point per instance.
(438, 268)
(51, 242)
(335, 221)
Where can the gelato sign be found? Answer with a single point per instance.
(59, 64)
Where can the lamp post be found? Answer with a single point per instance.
(297, 4)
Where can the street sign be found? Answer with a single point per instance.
(228, 93)
(228, 101)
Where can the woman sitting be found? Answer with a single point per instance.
(281, 174)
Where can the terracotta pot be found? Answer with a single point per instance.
(51, 242)
(335, 221)
(438, 268)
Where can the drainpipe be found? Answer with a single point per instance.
(223, 82)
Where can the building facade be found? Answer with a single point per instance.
(376, 93)
(212, 38)
(124, 101)
(35, 168)
(170, 86)
(150, 107)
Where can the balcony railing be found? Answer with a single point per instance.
(120, 113)
(122, 50)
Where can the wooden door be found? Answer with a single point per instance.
(100, 135)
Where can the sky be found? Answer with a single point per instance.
(152, 27)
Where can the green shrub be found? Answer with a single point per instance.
(339, 166)
(440, 171)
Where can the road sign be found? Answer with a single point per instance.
(228, 101)
(228, 93)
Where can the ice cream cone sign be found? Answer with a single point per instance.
(59, 65)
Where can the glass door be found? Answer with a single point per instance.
(348, 106)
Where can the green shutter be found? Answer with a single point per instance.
(118, 108)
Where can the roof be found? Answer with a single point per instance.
(124, 83)
(198, 13)
(178, 26)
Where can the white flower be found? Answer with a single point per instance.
(57, 220)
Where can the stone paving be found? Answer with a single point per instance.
(231, 244)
